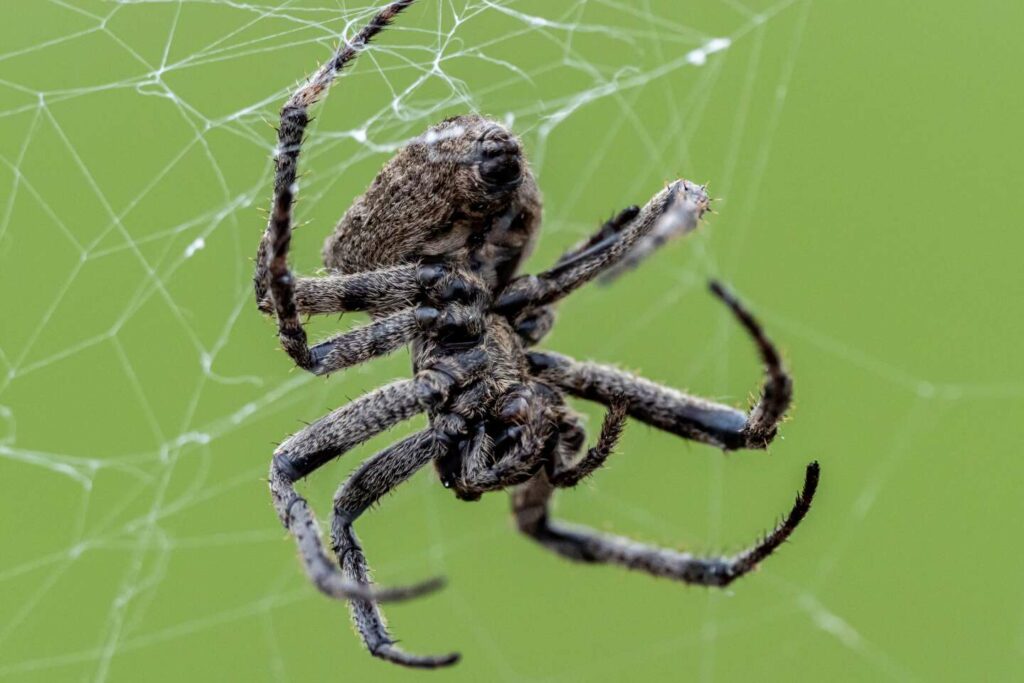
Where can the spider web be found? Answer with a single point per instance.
(140, 392)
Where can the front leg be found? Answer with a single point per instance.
(534, 323)
(451, 314)
(377, 291)
(273, 274)
(673, 411)
(608, 232)
(677, 209)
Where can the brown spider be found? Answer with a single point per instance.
(431, 252)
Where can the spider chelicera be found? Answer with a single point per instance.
(431, 251)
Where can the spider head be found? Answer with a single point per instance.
(460, 193)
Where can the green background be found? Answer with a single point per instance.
(867, 159)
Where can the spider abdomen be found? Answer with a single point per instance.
(461, 192)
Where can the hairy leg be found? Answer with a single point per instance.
(272, 270)
(678, 208)
(662, 232)
(530, 505)
(333, 435)
(378, 338)
(534, 323)
(567, 473)
(610, 229)
(452, 313)
(379, 291)
(687, 416)
(371, 481)
(318, 444)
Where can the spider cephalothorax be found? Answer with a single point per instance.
(431, 251)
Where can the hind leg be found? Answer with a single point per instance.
(530, 506)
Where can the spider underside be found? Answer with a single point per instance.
(431, 252)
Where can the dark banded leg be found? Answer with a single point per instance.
(382, 291)
(567, 474)
(530, 505)
(375, 339)
(272, 256)
(777, 391)
(610, 229)
(673, 411)
(374, 478)
(378, 338)
(535, 322)
(332, 436)
(452, 313)
(681, 204)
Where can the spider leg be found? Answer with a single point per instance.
(378, 338)
(582, 544)
(318, 444)
(673, 411)
(272, 272)
(333, 435)
(661, 234)
(777, 391)
(451, 312)
(678, 208)
(609, 229)
(381, 291)
(567, 475)
(535, 322)
(371, 481)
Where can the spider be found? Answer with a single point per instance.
(432, 253)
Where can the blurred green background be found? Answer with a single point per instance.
(867, 157)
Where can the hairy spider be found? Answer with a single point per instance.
(431, 251)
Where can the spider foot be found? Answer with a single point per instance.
(332, 584)
(582, 544)
(777, 391)
(801, 506)
(747, 561)
(746, 319)
(396, 655)
(682, 211)
(399, 593)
